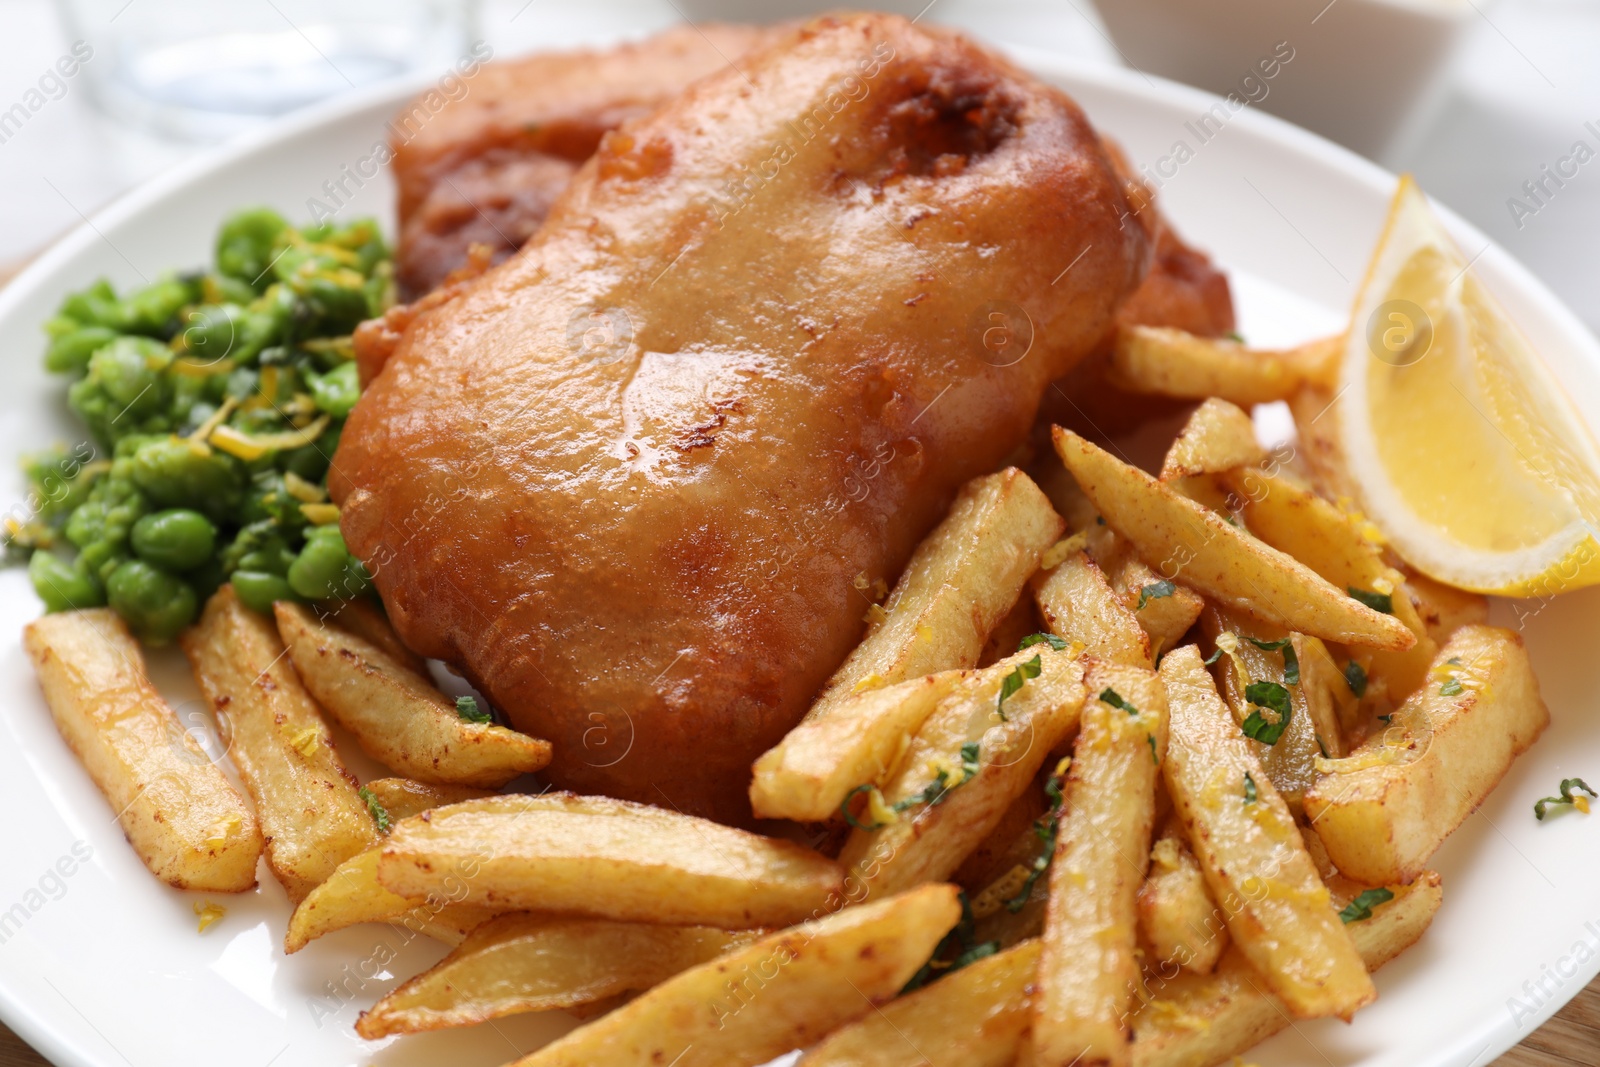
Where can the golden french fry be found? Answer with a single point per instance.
(1219, 560)
(1078, 604)
(605, 858)
(395, 714)
(949, 802)
(1218, 437)
(305, 800)
(401, 798)
(181, 815)
(1164, 609)
(975, 1017)
(814, 768)
(1088, 964)
(1177, 916)
(352, 894)
(1208, 1019)
(1020, 622)
(1345, 552)
(1288, 755)
(1445, 609)
(963, 579)
(367, 621)
(1251, 852)
(1316, 421)
(783, 992)
(1386, 808)
(524, 962)
(1156, 359)
(1186, 1019)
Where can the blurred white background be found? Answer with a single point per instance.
(1504, 134)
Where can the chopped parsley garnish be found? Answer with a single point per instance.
(1112, 697)
(1155, 591)
(1272, 697)
(1250, 793)
(1566, 797)
(1451, 687)
(1211, 659)
(1014, 681)
(1045, 829)
(380, 814)
(1235, 336)
(1322, 748)
(1153, 757)
(935, 792)
(958, 941)
(1042, 639)
(1099, 520)
(1355, 676)
(1386, 719)
(1291, 662)
(1361, 907)
(468, 710)
(1383, 602)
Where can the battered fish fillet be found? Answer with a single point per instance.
(625, 481)
(486, 168)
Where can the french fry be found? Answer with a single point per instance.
(1022, 620)
(401, 798)
(783, 992)
(1219, 560)
(181, 815)
(1186, 1020)
(951, 803)
(1218, 437)
(305, 800)
(1088, 963)
(975, 1017)
(1078, 604)
(1445, 609)
(811, 771)
(395, 714)
(1345, 553)
(1313, 729)
(352, 894)
(1208, 1019)
(524, 962)
(367, 621)
(1177, 916)
(1386, 808)
(963, 579)
(1250, 850)
(605, 858)
(1155, 359)
(1165, 614)
(1316, 421)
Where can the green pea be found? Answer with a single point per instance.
(177, 473)
(337, 391)
(246, 241)
(151, 310)
(69, 353)
(62, 586)
(324, 569)
(129, 368)
(176, 539)
(95, 306)
(157, 605)
(258, 590)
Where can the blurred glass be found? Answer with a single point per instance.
(208, 70)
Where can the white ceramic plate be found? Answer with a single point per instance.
(103, 967)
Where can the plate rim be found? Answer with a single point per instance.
(1468, 1046)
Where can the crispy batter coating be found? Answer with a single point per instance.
(487, 167)
(626, 480)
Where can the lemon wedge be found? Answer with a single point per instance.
(1462, 446)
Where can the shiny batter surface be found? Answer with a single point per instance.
(626, 481)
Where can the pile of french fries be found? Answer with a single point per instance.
(1127, 770)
